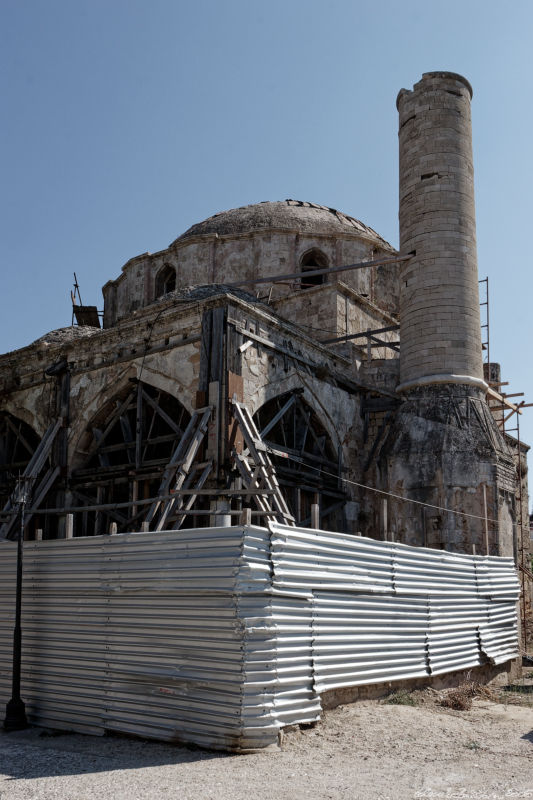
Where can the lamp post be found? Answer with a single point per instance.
(15, 719)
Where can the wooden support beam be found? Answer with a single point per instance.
(324, 512)
(121, 408)
(18, 435)
(381, 262)
(138, 427)
(246, 516)
(185, 507)
(110, 507)
(360, 335)
(375, 342)
(502, 400)
(157, 408)
(283, 410)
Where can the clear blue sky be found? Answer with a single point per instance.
(125, 121)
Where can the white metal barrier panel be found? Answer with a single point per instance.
(220, 636)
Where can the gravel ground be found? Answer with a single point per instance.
(367, 751)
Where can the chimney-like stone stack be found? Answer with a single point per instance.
(439, 299)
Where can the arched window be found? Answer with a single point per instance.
(165, 281)
(313, 259)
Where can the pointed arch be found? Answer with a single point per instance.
(165, 280)
(307, 463)
(18, 442)
(129, 443)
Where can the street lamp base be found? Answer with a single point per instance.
(15, 716)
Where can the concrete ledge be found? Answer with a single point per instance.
(428, 380)
(486, 675)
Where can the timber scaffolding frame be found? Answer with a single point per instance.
(494, 393)
(525, 573)
(87, 482)
(371, 335)
(49, 459)
(192, 484)
(503, 410)
(180, 485)
(25, 483)
(372, 340)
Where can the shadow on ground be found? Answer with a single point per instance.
(38, 753)
(528, 736)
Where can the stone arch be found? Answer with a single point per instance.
(290, 383)
(102, 392)
(31, 407)
(82, 420)
(306, 458)
(170, 384)
(313, 259)
(18, 442)
(165, 280)
(127, 446)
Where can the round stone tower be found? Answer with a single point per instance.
(439, 298)
(443, 448)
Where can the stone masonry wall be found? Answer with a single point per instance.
(440, 321)
(226, 259)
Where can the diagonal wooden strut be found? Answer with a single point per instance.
(30, 475)
(257, 470)
(179, 467)
(184, 504)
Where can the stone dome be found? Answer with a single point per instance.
(287, 215)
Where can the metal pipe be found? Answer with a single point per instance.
(521, 544)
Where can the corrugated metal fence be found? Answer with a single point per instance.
(221, 636)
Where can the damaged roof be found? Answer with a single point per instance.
(298, 215)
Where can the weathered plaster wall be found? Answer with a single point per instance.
(163, 352)
(441, 449)
(226, 259)
(280, 361)
(161, 346)
(335, 309)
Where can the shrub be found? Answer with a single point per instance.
(400, 698)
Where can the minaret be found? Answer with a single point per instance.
(443, 448)
(439, 296)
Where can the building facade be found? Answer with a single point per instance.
(283, 358)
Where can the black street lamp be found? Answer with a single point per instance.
(16, 710)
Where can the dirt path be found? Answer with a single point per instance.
(366, 751)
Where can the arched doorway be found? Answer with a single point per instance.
(308, 465)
